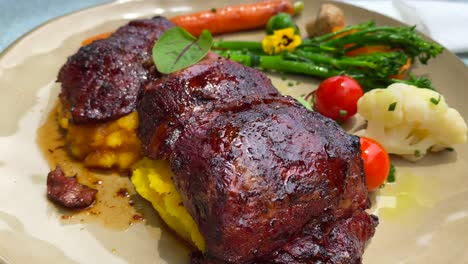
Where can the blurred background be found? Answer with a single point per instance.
(445, 21)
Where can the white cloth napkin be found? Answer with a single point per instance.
(444, 21)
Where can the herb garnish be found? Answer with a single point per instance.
(343, 112)
(177, 49)
(392, 106)
(435, 101)
(391, 174)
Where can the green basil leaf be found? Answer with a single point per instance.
(177, 49)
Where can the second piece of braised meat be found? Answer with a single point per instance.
(254, 172)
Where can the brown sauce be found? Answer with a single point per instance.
(115, 206)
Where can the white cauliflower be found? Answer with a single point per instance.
(410, 121)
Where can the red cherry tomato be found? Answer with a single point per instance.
(337, 97)
(376, 163)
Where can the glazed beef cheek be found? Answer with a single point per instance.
(102, 81)
(327, 241)
(169, 101)
(254, 173)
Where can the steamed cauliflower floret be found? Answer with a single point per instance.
(409, 121)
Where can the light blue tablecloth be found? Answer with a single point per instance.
(18, 17)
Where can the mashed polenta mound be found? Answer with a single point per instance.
(152, 180)
(107, 145)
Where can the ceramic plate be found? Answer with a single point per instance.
(423, 216)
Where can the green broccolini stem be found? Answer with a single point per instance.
(338, 63)
(328, 36)
(325, 56)
(278, 63)
(288, 63)
(237, 45)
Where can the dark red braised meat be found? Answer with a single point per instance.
(168, 101)
(327, 241)
(321, 241)
(266, 180)
(263, 177)
(254, 172)
(102, 81)
(67, 191)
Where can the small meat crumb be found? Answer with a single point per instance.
(67, 191)
(138, 217)
(123, 192)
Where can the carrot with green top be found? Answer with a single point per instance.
(235, 18)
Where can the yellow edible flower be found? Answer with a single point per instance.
(283, 39)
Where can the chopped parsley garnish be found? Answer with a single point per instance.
(391, 174)
(343, 112)
(435, 101)
(450, 149)
(392, 106)
(417, 153)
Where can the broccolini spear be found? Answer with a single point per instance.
(368, 34)
(325, 56)
(368, 75)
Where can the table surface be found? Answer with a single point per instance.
(17, 17)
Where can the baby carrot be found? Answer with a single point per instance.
(233, 18)
(96, 37)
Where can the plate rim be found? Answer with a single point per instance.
(38, 28)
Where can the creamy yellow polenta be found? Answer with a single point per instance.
(115, 144)
(107, 145)
(152, 180)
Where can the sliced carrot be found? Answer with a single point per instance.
(233, 18)
(403, 70)
(380, 48)
(96, 37)
(337, 28)
(368, 49)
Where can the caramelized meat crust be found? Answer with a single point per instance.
(67, 191)
(327, 241)
(323, 240)
(253, 173)
(169, 101)
(102, 81)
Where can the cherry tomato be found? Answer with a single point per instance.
(337, 97)
(376, 163)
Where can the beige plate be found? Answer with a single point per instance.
(424, 216)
